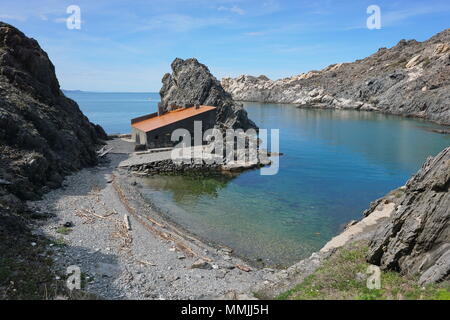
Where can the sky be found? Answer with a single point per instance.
(127, 46)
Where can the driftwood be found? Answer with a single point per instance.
(243, 268)
(126, 220)
(147, 263)
(89, 214)
(162, 234)
(123, 236)
(103, 151)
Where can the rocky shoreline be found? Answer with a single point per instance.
(62, 203)
(158, 259)
(154, 260)
(410, 79)
(406, 231)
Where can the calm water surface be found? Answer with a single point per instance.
(334, 164)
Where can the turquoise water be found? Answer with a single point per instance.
(335, 163)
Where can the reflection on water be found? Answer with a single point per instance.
(335, 163)
(191, 186)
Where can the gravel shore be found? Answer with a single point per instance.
(153, 260)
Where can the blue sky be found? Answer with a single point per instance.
(129, 45)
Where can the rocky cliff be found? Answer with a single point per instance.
(43, 134)
(410, 79)
(416, 239)
(192, 83)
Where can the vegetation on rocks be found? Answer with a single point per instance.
(343, 276)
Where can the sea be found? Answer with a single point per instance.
(334, 163)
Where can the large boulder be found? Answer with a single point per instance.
(192, 83)
(43, 134)
(416, 240)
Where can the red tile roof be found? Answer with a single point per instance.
(170, 117)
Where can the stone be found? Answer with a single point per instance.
(68, 224)
(441, 48)
(191, 83)
(201, 264)
(416, 239)
(351, 223)
(414, 61)
(172, 278)
(4, 182)
(221, 274)
(226, 250)
(226, 265)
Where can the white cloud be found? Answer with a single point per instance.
(12, 17)
(180, 22)
(233, 9)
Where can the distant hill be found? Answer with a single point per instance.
(410, 79)
(72, 91)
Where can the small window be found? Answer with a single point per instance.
(156, 137)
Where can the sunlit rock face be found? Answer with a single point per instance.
(416, 240)
(192, 83)
(411, 79)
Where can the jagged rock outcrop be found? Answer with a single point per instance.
(43, 134)
(192, 83)
(416, 239)
(410, 79)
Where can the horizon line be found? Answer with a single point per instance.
(85, 91)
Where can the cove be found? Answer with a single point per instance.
(335, 163)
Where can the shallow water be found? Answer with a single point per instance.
(335, 163)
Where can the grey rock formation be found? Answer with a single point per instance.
(416, 239)
(192, 83)
(43, 134)
(410, 79)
